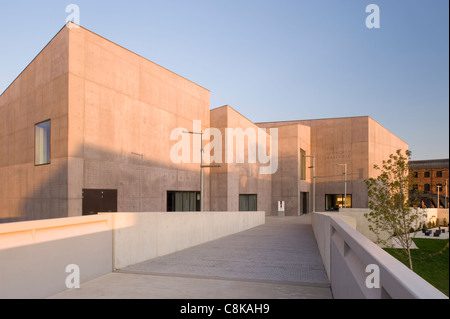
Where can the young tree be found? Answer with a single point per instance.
(391, 211)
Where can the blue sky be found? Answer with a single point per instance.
(274, 60)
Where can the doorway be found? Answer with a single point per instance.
(304, 207)
(99, 200)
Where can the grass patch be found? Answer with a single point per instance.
(430, 261)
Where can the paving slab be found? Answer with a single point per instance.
(277, 260)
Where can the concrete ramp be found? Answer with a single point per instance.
(279, 259)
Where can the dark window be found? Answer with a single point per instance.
(439, 174)
(178, 201)
(415, 187)
(426, 174)
(99, 201)
(336, 201)
(416, 174)
(439, 187)
(248, 202)
(426, 188)
(302, 165)
(42, 143)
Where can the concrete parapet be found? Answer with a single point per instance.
(141, 236)
(347, 256)
(35, 255)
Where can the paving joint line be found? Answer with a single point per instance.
(250, 280)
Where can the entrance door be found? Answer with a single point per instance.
(304, 203)
(99, 201)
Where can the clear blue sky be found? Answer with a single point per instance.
(274, 60)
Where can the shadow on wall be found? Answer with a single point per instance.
(55, 190)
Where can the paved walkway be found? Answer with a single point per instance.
(278, 260)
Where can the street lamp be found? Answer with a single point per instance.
(345, 183)
(438, 188)
(446, 193)
(314, 180)
(201, 166)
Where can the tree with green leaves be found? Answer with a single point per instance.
(391, 210)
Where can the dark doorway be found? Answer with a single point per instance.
(304, 208)
(99, 201)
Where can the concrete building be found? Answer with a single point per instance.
(90, 126)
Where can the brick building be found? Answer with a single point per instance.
(431, 176)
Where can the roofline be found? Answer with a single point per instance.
(320, 119)
(136, 54)
(226, 105)
(65, 26)
(33, 60)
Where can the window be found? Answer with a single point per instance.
(426, 174)
(426, 188)
(42, 143)
(416, 174)
(248, 202)
(302, 165)
(438, 187)
(183, 201)
(336, 201)
(439, 174)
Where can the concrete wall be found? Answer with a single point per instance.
(346, 253)
(141, 236)
(38, 94)
(286, 182)
(119, 104)
(34, 254)
(440, 214)
(359, 142)
(232, 179)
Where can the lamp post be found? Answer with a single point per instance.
(201, 166)
(446, 193)
(345, 183)
(314, 180)
(438, 188)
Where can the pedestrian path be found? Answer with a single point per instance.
(279, 259)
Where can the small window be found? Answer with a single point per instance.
(439, 174)
(438, 187)
(42, 143)
(426, 188)
(302, 164)
(247, 202)
(426, 174)
(416, 174)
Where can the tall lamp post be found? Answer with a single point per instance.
(314, 180)
(345, 183)
(201, 166)
(446, 193)
(438, 188)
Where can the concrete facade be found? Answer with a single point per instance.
(112, 113)
(359, 142)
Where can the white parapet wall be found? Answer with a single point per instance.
(36, 257)
(141, 236)
(346, 254)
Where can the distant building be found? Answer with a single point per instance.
(431, 176)
(87, 127)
